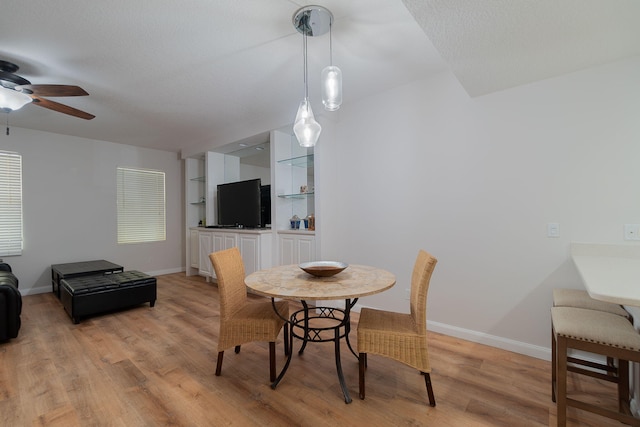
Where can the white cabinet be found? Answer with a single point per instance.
(250, 249)
(213, 241)
(205, 240)
(296, 248)
(229, 240)
(194, 250)
(255, 248)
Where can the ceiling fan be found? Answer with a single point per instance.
(16, 91)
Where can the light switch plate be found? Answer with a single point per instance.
(632, 232)
(553, 229)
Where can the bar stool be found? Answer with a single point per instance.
(596, 332)
(581, 299)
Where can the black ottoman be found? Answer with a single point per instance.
(88, 295)
(77, 269)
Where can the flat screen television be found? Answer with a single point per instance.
(239, 204)
(265, 201)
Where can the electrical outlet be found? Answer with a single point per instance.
(553, 229)
(632, 232)
(407, 294)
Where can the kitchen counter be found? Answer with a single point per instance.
(609, 272)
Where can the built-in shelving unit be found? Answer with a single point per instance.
(195, 213)
(292, 193)
(199, 192)
(293, 176)
(296, 195)
(299, 161)
(304, 162)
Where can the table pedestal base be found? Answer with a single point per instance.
(314, 325)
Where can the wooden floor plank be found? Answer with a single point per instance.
(155, 366)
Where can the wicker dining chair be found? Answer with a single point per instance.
(241, 320)
(399, 336)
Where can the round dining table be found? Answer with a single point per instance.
(315, 323)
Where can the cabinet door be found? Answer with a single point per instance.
(230, 240)
(305, 249)
(296, 249)
(194, 251)
(250, 251)
(218, 241)
(206, 247)
(287, 249)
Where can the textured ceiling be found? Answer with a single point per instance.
(196, 73)
(497, 44)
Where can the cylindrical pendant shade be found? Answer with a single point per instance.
(306, 129)
(331, 88)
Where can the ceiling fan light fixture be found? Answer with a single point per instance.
(13, 100)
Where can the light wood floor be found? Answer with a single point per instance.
(155, 366)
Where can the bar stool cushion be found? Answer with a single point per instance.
(581, 299)
(595, 326)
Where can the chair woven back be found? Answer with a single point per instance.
(420, 278)
(229, 270)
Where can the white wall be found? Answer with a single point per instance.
(69, 206)
(255, 172)
(475, 182)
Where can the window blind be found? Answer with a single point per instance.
(10, 204)
(141, 205)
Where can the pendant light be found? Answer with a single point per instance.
(331, 81)
(305, 127)
(315, 21)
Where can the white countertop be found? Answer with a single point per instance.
(235, 230)
(609, 272)
(303, 232)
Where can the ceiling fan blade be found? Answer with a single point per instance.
(53, 90)
(61, 108)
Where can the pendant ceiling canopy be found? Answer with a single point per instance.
(313, 20)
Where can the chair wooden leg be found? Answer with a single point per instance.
(219, 365)
(427, 381)
(272, 361)
(561, 377)
(237, 349)
(554, 374)
(362, 361)
(623, 387)
(611, 362)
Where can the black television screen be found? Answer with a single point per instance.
(265, 200)
(239, 204)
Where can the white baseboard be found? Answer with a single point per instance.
(494, 341)
(167, 271)
(38, 290)
(538, 352)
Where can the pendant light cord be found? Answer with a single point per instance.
(330, 42)
(304, 50)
